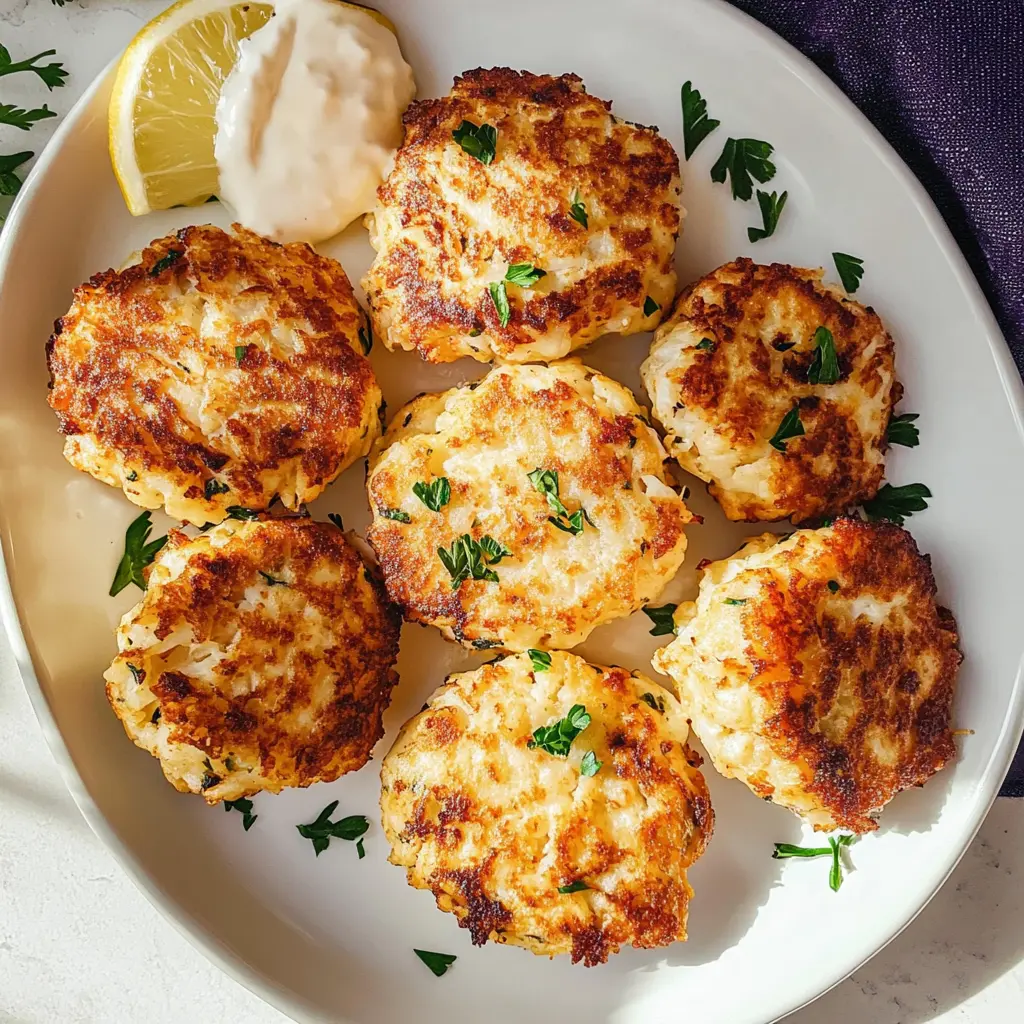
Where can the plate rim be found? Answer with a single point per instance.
(291, 1003)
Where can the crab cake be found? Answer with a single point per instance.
(777, 389)
(261, 656)
(512, 170)
(820, 670)
(218, 370)
(571, 838)
(525, 509)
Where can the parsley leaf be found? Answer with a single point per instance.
(53, 75)
(246, 515)
(791, 426)
(902, 430)
(546, 482)
(650, 306)
(697, 126)
(468, 559)
(557, 738)
(500, 299)
(434, 495)
(478, 140)
(213, 486)
(657, 703)
(742, 160)
(541, 659)
(663, 620)
(137, 554)
(590, 765)
(162, 264)
(705, 345)
(240, 351)
(833, 586)
(851, 270)
(523, 274)
(577, 210)
(272, 581)
(896, 503)
(437, 962)
(10, 183)
(18, 117)
(835, 845)
(337, 520)
(321, 831)
(395, 513)
(824, 368)
(578, 886)
(771, 204)
(735, 600)
(244, 806)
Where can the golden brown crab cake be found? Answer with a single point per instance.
(219, 369)
(546, 508)
(591, 200)
(498, 825)
(739, 361)
(261, 656)
(819, 670)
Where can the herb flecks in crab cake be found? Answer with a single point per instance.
(261, 656)
(526, 509)
(513, 170)
(219, 369)
(777, 389)
(550, 806)
(820, 670)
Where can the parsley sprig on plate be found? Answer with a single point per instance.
(469, 559)
(244, 806)
(835, 846)
(478, 140)
(522, 274)
(437, 962)
(322, 830)
(850, 270)
(902, 430)
(139, 551)
(557, 738)
(744, 160)
(824, 368)
(434, 495)
(791, 426)
(697, 126)
(663, 619)
(772, 205)
(896, 503)
(546, 482)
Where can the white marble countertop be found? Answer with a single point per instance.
(78, 943)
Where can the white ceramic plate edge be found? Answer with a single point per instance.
(289, 1002)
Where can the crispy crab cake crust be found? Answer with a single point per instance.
(219, 369)
(485, 439)
(239, 684)
(820, 670)
(493, 828)
(447, 225)
(720, 404)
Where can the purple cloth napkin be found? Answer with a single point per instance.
(943, 81)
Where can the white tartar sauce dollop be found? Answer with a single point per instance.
(309, 119)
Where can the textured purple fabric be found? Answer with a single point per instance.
(943, 81)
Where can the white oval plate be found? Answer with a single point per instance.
(332, 938)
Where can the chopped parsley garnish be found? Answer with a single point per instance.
(434, 495)
(546, 482)
(468, 559)
(523, 274)
(663, 620)
(650, 306)
(139, 551)
(321, 831)
(896, 503)
(244, 806)
(132, 476)
(789, 427)
(557, 738)
(240, 351)
(213, 486)
(657, 703)
(360, 849)
(833, 585)
(395, 513)
(247, 515)
(272, 581)
(578, 886)
(337, 520)
(138, 674)
(705, 345)
(771, 204)
(366, 338)
(851, 270)
(697, 126)
(590, 765)
(155, 717)
(478, 140)
(824, 368)
(162, 264)
(500, 299)
(485, 645)
(541, 659)
(577, 210)
(744, 160)
(835, 845)
(735, 600)
(437, 962)
(208, 781)
(902, 430)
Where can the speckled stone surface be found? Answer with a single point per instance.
(80, 945)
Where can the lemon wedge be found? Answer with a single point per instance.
(162, 114)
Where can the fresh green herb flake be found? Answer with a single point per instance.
(468, 559)
(493, 550)
(903, 431)
(213, 487)
(240, 512)
(434, 495)
(165, 263)
(524, 274)
(366, 339)
(10, 183)
(208, 781)
(771, 204)
(240, 351)
(650, 306)
(272, 581)
(834, 849)
(132, 476)
(896, 503)
(437, 962)
(656, 703)
(500, 299)
(546, 482)
(52, 75)
(395, 513)
(577, 210)
(850, 269)
(138, 674)
(244, 807)
(662, 617)
(139, 551)
(833, 585)
(337, 520)
(578, 886)
(360, 849)
(557, 738)
(590, 765)
(321, 831)
(705, 345)
(824, 368)
(735, 600)
(541, 660)
(743, 160)
(478, 140)
(789, 427)
(697, 126)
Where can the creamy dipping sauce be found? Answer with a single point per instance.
(309, 119)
